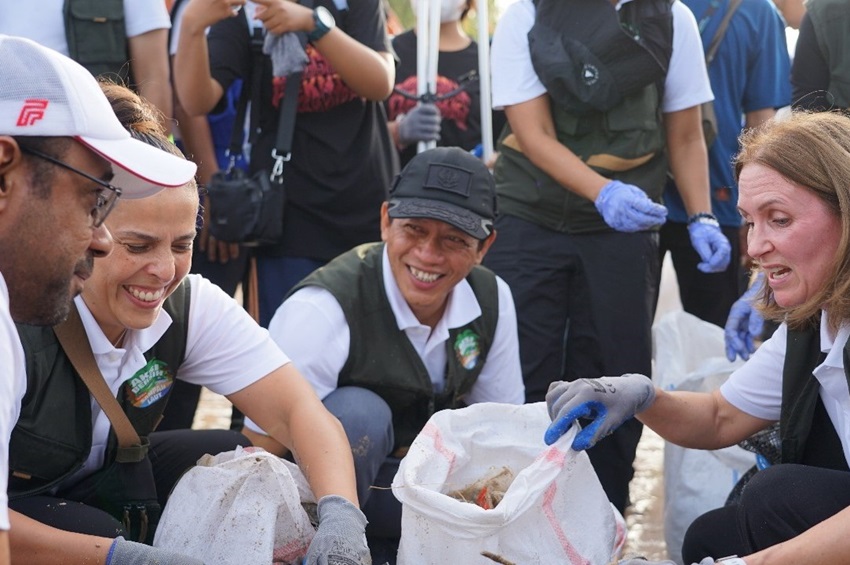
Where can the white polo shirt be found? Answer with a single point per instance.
(13, 385)
(515, 81)
(226, 350)
(756, 388)
(311, 327)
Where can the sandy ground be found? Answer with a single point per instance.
(644, 518)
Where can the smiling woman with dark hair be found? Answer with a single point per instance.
(148, 323)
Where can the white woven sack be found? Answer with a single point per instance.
(554, 512)
(690, 355)
(241, 506)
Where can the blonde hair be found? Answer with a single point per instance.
(812, 150)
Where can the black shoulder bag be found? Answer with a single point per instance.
(249, 209)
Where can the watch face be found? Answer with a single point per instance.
(325, 17)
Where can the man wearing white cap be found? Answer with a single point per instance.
(64, 160)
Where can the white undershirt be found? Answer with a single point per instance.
(311, 327)
(515, 81)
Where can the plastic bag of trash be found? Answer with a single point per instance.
(244, 506)
(548, 508)
(690, 355)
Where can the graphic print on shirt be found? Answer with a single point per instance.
(150, 383)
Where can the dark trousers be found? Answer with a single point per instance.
(584, 309)
(708, 296)
(171, 453)
(778, 504)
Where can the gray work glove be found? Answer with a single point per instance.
(608, 401)
(341, 536)
(125, 552)
(642, 561)
(420, 124)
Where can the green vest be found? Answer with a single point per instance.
(808, 435)
(382, 359)
(97, 38)
(624, 143)
(831, 20)
(53, 435)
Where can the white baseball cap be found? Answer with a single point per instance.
(44, 93)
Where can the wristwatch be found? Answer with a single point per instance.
(323, 21)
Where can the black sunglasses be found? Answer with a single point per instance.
(106, 198)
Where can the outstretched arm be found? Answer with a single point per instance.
(284, 405)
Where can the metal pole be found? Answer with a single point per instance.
(483, 9)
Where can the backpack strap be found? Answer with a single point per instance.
(72, 336)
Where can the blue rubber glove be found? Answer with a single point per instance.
(627, 208)
(713, 247)
(744, 324)
(341, 536)
(422, 123)
(123, 552)
(609, 401)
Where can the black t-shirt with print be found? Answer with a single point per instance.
(461, 125)
(342, 158)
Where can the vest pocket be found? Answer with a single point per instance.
(95, 31)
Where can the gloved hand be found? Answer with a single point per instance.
(123, 552)
(643, 561)
(744, 323)
(420, 124)
(627, 208)
(609, 401)
(713, 247)
(341, 537)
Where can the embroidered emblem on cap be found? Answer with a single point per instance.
(448, 179)
(31, 112)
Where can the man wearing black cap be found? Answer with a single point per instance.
(388, 333)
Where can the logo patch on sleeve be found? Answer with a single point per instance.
(150, 383)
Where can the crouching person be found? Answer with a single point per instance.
(75, 495)
(389, 333)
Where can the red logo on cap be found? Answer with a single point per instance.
(32, 111)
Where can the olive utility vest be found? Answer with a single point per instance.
(625, 142)
(382, 359)
(97, 38)
(53, 436)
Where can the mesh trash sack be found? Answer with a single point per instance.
(242, 506)
(690, 355)
(554, 512)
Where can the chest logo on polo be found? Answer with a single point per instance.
(467, 349)
(150, 383)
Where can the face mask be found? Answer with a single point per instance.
(450, 10)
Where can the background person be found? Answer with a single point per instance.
(756, 34)
(454, 121)
(579, 177)
(342, 157)
(793, 177)
(389, 333)
(60, 146)
(127, 40)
